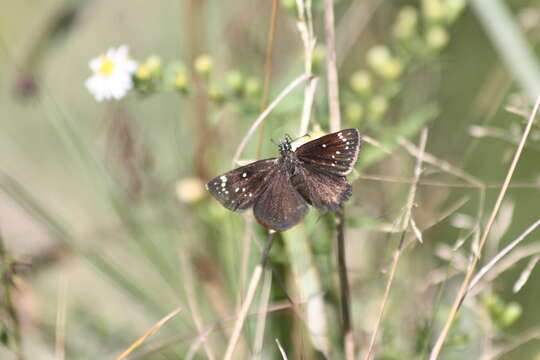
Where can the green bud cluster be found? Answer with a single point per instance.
(418, 34)
(502, 315)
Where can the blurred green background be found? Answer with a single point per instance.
(100, 240)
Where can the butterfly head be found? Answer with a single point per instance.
(285, 145)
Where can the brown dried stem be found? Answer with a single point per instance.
(331, 67)
(397, 254)
(464, 289)
(255, 279)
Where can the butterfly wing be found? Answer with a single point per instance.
(335, 153)
(239, 188)
(322, 189)
(280, 206)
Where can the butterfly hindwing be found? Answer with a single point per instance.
(335, 153)
(324, 190)
(280, 206)
(238, 188)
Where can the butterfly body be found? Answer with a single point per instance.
(280, 189)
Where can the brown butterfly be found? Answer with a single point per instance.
(279, 189)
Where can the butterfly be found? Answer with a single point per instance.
(280, 189)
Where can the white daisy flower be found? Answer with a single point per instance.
(112, 74)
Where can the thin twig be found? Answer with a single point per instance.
(281, 350)
(441, 164)
(267, 69)
(520, 340)
(263, 311)
(392, 179)
(246, 249)
(255, 278)
(265, 113)
(348, 338)
(466, 281)
(480, 274)
(147, 334)
(397, 253)
(187, 280)
(305, 27)
(308, 105)
(331, 67)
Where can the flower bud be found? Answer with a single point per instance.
(252, 86)
(433, 10)
(436, 37)
(181, 81)
(453, 9)
(235, 81)
(204, 65)
(511, 313)
(360, 82)
(406, 23)
(190, 190)
(383, 63)
(154, 64)
(143, 73)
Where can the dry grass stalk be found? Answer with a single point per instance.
(254, 282)
(468, 276)
(501, 254)
(60, 331)
(147, 334)
(263, 311)
(267, 69)
(397, 254)
(265, 113)
(331, 67)
(187, 280)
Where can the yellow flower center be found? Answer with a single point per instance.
(107, 66)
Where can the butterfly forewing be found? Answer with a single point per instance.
(239, 188)
(335, 153)
(280, 206)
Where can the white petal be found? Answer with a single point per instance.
(111, 53)
(122, 51)
(95, 63)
